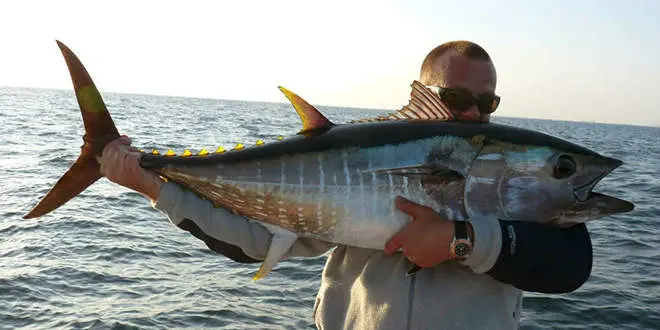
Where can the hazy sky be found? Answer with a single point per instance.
(575, 60)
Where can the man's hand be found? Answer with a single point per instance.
(120, 163)
(425, 241)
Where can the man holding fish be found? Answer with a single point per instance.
(473, 272)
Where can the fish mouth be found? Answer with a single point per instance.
(592, 204)
(611, 205)
(584, 192)
(597, 206)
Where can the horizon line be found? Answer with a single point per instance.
(654, 125)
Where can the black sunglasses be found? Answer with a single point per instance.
(460, 99)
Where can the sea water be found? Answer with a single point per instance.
(107, 259)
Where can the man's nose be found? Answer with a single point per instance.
(471, 114)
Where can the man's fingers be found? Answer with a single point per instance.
(409, 207)
(394, 243)
(124, 140)
(117, 143)
(399, 239)
(125, 144)
(122, 143)
(115, 154)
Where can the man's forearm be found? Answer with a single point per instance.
(542, 258)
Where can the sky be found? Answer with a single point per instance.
(568, 60)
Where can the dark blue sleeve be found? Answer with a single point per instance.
(230, 251)
(542, 258)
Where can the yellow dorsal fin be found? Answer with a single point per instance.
(203, 152)
(424, 104)
(170, 153)
(260, 142)
(186, 153)
(312, 119)
(239, 146)
(220, 150)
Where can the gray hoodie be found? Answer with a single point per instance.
(367, 289)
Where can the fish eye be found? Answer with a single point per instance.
(564, 168)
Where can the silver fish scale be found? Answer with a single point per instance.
(340, 195)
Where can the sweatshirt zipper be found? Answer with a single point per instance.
(411, 293)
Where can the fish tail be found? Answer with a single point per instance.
(99, 131)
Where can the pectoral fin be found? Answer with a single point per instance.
(279, 246)
(427, 172)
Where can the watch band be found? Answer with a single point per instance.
(461, 246)
(460, 230)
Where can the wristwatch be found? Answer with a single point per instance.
(461, 246)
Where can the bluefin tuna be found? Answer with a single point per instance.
(337, 182)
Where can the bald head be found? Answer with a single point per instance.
(460, 65)
(442, 59)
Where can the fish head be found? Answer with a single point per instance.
(581, 173)
(541, 184)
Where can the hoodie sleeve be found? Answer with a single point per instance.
(234, 236)
(531, 256)
(486, 246)
(542, 258)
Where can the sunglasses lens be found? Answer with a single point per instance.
(460, 100)
(457, 100)
(488, 103)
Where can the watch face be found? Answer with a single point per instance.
(461, 249)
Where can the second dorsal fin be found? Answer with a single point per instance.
(312, 119)
(423, 105)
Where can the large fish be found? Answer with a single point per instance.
(337, 182)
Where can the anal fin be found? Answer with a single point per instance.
(279, 245)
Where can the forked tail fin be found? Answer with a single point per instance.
(99, 131)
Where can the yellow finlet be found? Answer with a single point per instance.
(280, 137)
(239, 147)
(203, 152)
(260, 142)
(220, 150)
(312, 118)
(170, 153)
(155, 152)
(186, 153)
